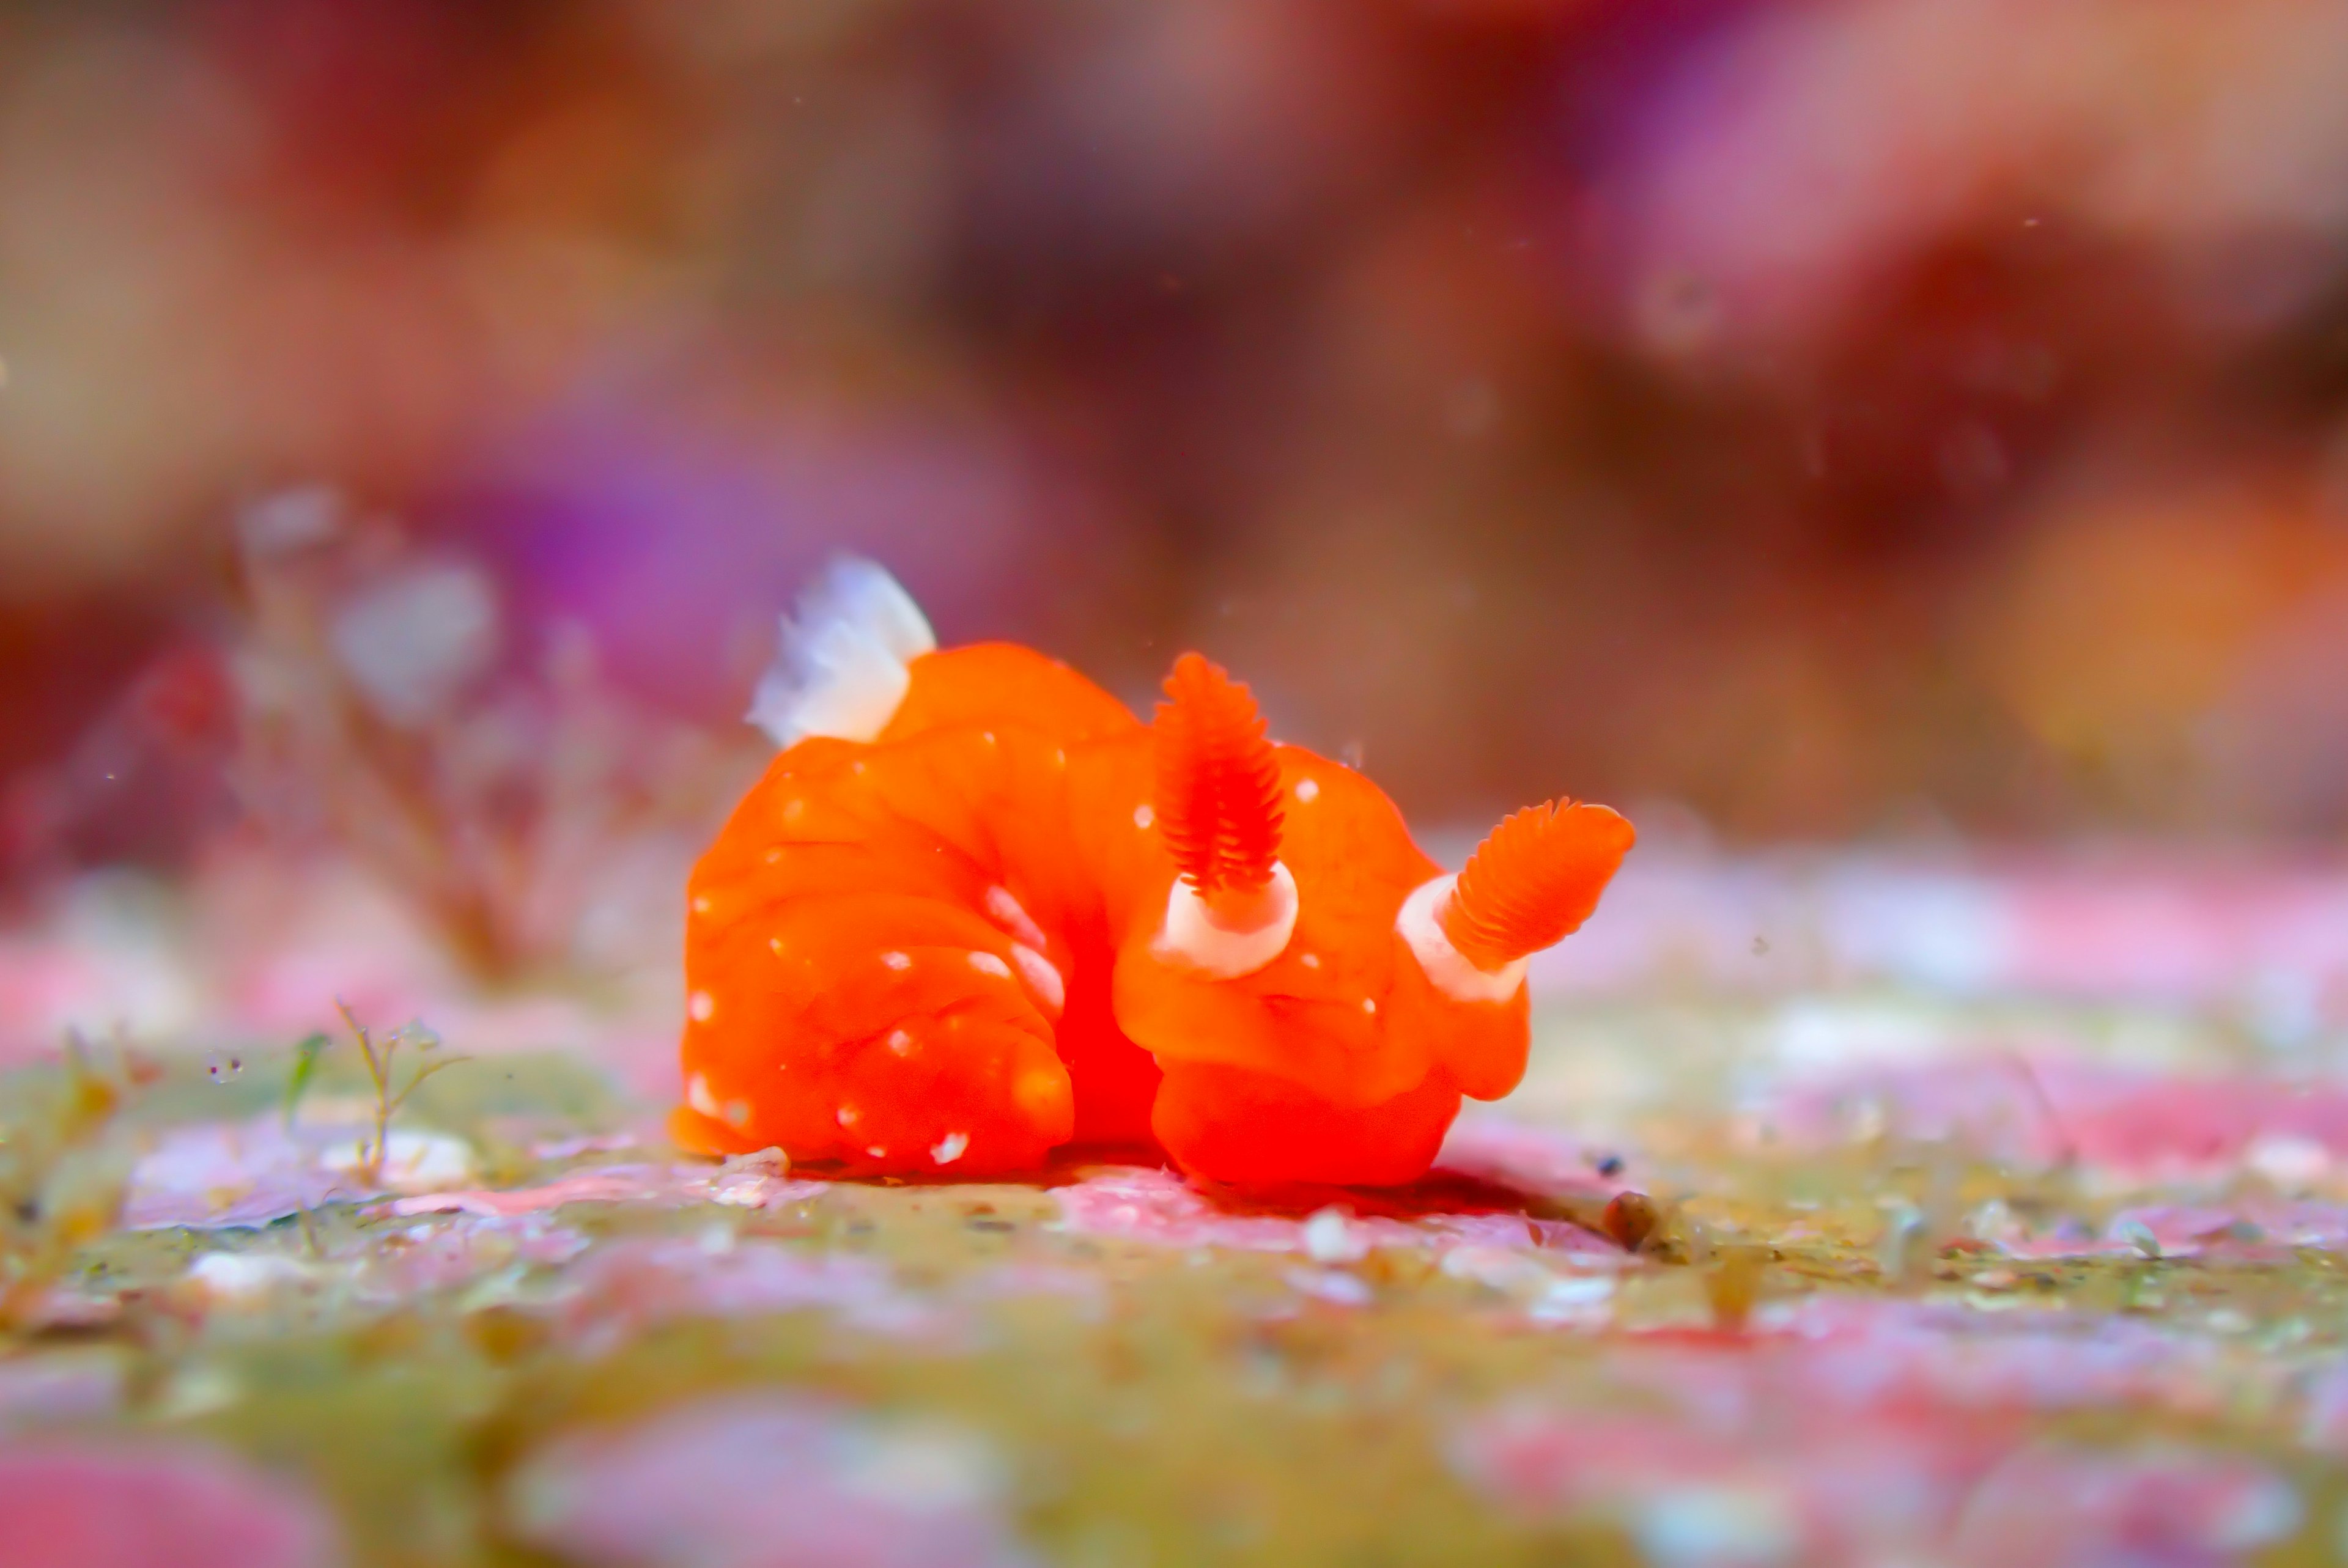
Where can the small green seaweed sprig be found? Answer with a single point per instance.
(381, 1059)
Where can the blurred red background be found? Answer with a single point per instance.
(1846, 419)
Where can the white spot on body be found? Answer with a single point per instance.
(774, 855)
(988, 963)
(1059, 757)
(701, 1005)
(877, 1152)
(1369, 1004)
(987, 735)
(1007, 912)
(737, 1113)
(949, 1149)
(793, 809)
(898, 961)
(900, 1042)
(846, 1114)
(1143, 818)
(857, 767)
(1310, 961)
(775, 945)
(701, 903)
(697, 1095)
(1043, 978)
(1308, 790)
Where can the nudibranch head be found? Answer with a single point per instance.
(1318, 995)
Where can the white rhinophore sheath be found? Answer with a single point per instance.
(841, 666)
(1444, 964)
(1191, 937)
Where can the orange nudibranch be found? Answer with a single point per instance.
(977, 910)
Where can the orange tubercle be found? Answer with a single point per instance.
(1533, 881)
(1217, 801)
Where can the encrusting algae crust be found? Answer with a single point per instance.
(1009, 916)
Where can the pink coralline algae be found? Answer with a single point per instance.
(766, 1480)
(1967, 1494)
(1870, 1431)
(72, 1505)
(2133, 1122)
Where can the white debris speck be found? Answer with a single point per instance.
(1143, 818)
(897, 961)
(245, 1277)
(1308, 790)
(2288, 1160)
(1330, 1284)
(1575, 1298)
(949, 1149)
(702, 1006)
(1328, 1238)
(1717, 1526)
(199, 1391)
(413, 1162)
(988, 963)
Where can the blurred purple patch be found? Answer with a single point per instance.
(65, 1505)
(76, 1386)
(224, 1174)
(677, 548)
(769, 1479)
(626, 1287)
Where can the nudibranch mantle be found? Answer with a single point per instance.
(976, 909)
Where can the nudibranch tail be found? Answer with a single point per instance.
(1217, 802)
(1533, 881)
(841, 667)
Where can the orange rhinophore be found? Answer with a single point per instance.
(977, 910)
(1534, 880)
(1218, 781)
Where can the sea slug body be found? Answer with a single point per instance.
(935, 909)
